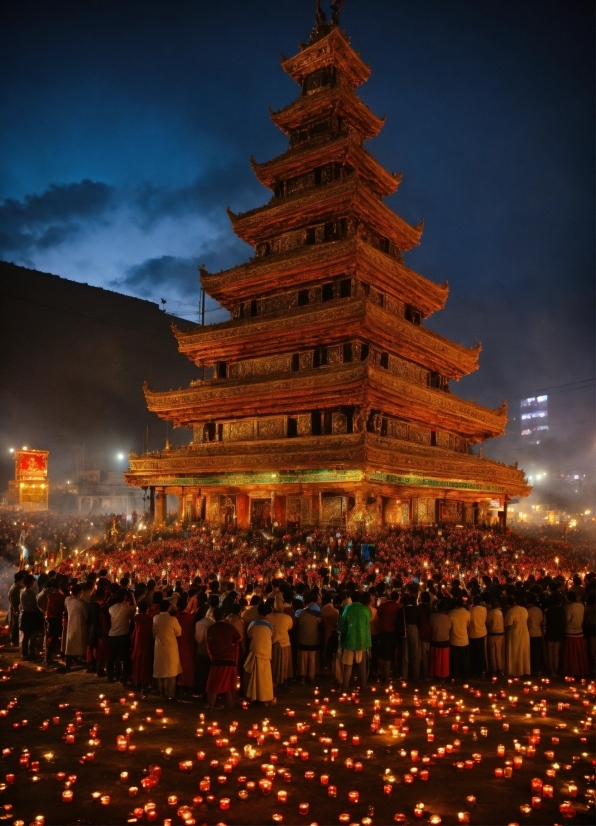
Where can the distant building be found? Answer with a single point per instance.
(534, 417)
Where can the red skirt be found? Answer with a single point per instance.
(575, 656)
(221, 679)
(439, 661)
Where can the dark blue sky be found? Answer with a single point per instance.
(127, 128)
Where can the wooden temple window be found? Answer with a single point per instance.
(310, 236)
(303, 298)
(295, 362)
(435, 380)
(254, 308)
(433, 437)
(347, 354)
(327, 423)
(364, 350)
(315, 419)
(292, 427)
(221, 370)
(413, 315)
(328, 291)
(209, 432)
(319, 358)
(345, 288)
(384, 361)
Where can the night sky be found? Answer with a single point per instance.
(127, 129)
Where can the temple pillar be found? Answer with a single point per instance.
(152, 504)
(279, 510)
(181, 504)
(160, 506)
(242, 510)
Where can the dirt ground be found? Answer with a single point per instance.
(31, 695)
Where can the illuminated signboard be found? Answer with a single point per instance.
(534, 415)
(31, 464)
(31, 479)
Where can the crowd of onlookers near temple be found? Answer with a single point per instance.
(417, 603)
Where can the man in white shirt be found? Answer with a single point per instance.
(121, 615)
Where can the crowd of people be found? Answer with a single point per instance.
(200, 615)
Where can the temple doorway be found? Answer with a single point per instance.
(260, 513)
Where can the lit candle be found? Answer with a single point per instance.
(356, 740)
(224, 804)
(471, 800)
(423, 774)
(536, 784)
(463, 817)
(282, 796)
(498, 772)
(265, 786)
(133, 791)
(353, 796)
(172, 800)
(572, 790)
(536, 802)
(303, 808)
(501, 750)
(332, 791)
(277, 818)
(324, 780)
(525, 809)
(547, 790)
(105, 799)
(67, 796)
(123, 777)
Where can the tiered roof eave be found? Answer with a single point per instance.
(307, 156)
(342, 199)
(339, 100)
(332, 50)
(360, 384)
(304, 327)
(298, 267)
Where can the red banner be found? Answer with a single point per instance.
(31, 464)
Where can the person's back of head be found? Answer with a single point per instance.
(124, 582)
(230, 587)
(75, 589)
(19, 576)
(365, 598)
(255, 600)
(214, 600)
(425, 598)
(263, 609)
(577, 580)
(477, 600)
(142, 606)
(119, 595)
(236, 609)
(218, 614)
(531, 598)
(459, 602)
(571, 596)
(28, 580)
(164, 606)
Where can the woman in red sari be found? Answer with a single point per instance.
(143, 646)
(186, 646)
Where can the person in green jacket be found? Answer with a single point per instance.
(354, 634)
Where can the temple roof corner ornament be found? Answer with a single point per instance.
(477, 347)
(503, 409)
(233, 216)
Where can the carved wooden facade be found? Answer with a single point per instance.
(328, 400)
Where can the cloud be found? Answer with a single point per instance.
(58, 214)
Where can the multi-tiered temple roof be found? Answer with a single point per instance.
(327, 399)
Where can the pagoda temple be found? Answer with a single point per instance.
(324, 400)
